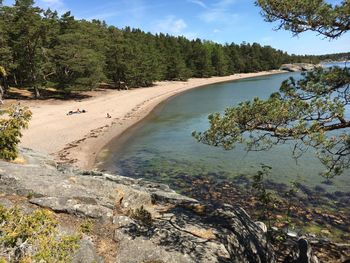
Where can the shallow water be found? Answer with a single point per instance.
(161, 148)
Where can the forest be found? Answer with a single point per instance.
(335, 57)
(41, 49)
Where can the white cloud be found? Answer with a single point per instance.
(220, 12)
(52, 2)
(198, 2)
(191, 35)
(171, 25)
(57, 5)
(219, 16)
(101, 16)
(224, 3)
(121, 13)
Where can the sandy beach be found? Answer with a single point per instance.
(78, 138)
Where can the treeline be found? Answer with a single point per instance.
(40, 49)
(335, 57)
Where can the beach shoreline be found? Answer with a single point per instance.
(79, 138)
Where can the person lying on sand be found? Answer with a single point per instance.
(76, 112)
(108, 116)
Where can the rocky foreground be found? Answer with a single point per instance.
(134, 220)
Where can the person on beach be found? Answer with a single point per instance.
(108, 116)
(78, 111)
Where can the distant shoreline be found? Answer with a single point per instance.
(79, 138)
(335, 61)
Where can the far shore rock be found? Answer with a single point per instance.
(295, 67)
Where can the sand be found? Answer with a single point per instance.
(78, 138)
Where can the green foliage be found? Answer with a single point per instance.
(78, 55)
(303, 112)
(142, 215)
(41, 49)
(219, 60)
(2, 72)
(26, 31)
(299, 16)
(335, 57)
(290, 198)
(5, 49)
(12, 121)
(3, 84)
(116, 62)
(34, 237)
(264, 196)
(87, 226)
(142, 61)
(201, 59)
(77, 67)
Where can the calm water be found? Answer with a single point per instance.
(161, 147)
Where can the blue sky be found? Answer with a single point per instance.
(222, 21)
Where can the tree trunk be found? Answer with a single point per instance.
(36, 93)
(6, 86)
(15, 79)
(3, 89)
(1, 94)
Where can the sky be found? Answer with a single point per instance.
(222, 21)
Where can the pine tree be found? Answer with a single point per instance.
(219, 61)
(201, 60)
(26, 34)
(12, 121)
(3, 83)
(115, 59)
(40, 49)
(78, 63)
(306, 111)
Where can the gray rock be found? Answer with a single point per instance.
(71, 206)
(122, 221)
(140, 250)
(299, 67)
(244, 240)
(302, 253)
(262, 226)
(86, 253)
(292, 234)
(6, 203)
(182, 230)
